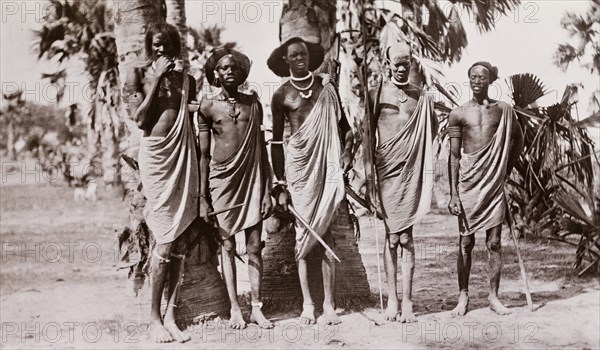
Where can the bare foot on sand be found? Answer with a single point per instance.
(177, 334)
(308, 314)
(497, 306)
(236, 321)
(159, 333)
(391, 313)
(260, 319)
(329, 315)
(407, 315)
(463, 305)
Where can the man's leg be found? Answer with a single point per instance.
(463, 265)
(255, 268)
(236, 321)
(494, 246)
(308, 306)
(328, 269)
(390, 264)
(160, 270)
(408, 270)
(175, 275)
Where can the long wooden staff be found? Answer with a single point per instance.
(312, 231)
(521, 263)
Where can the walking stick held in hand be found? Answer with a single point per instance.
(521, 264)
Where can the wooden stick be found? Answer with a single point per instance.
(363, 202)
(312, 231)
(521, 264)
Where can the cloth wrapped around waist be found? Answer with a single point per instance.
(482, 177)
(169, 175)
(405, 169)
(313, 171)
(240, 179)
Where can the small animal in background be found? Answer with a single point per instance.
(90, 193)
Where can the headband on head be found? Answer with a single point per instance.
(492, 69)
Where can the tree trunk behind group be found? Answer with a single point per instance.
(314, 21)
(202, 290)
(176, 16)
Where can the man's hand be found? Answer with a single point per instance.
(205, 208)
(455, 206)
(281, 199)
(164, 65)
(346, 161)
(266, 206)
(326, 78)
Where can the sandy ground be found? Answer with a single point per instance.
(60, 288)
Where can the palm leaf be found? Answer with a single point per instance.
(456, 39)
(526, 89)
(592, 121)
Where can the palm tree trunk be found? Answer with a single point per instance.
(202, 290)
(176, 16)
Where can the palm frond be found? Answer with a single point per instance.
(525, 89)
(456, 39)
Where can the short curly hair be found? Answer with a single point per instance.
(169, 31)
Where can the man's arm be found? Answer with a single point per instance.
(455, 133)
(372, 119)
(204, 139)
(266, 167)
(277, 155)
(143, 118)
(133, 92)
(348, 136)
(516, 145)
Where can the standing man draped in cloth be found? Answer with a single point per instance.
(238, 173)
(315, 161)
(487, 140)
(406, 125)
(168, 165)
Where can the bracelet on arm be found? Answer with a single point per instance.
(454, 132)
(280, 182)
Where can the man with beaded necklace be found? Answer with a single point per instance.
(318, 153)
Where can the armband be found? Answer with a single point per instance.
(454, 132)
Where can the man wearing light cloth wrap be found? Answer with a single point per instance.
(315, 159)
(485, 143)
(406, 125)
(238, 172)
(158, 96)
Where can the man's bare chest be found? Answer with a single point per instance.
(482, 118)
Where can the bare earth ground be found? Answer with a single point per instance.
(60, 288)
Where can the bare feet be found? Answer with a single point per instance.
(308, 314)
(159, 333)
(237, 320)
(407, 315)
(391, 313)
(463, 305)
(497, 306)
(260, 319)
(329, 315)
(178, 335)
